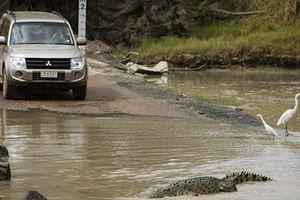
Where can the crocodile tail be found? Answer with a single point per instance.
(240, 177)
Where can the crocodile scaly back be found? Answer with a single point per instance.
(241, 177)
(195, 186)
(207, 185)
(191, 186)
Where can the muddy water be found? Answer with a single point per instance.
(269, 91)
(124, 157)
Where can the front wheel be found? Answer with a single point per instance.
(79, 92)
(8, 90)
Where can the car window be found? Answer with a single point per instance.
(41, 33)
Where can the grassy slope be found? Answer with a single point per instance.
(229, 39)
(275, 33)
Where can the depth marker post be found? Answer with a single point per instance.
(82, 21)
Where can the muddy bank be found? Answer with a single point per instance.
(201, 108)
(162, 95)
(193, 62)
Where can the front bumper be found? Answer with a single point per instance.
(32, 77)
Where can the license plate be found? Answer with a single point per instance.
(47, 74)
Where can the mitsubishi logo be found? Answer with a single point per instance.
(48, 63)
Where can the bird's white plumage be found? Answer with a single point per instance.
(285, 117)
(268, 128)
(288, 113)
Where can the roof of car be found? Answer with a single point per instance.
(29, 16)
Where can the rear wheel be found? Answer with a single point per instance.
(8, 90)
(79, 92)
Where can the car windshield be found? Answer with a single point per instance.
(41, 33)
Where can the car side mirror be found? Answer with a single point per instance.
(81, 41)
(2, 40)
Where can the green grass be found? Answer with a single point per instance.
(275, 33)
(245, 37)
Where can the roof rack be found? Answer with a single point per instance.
(9, 12)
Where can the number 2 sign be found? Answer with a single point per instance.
(82, 18)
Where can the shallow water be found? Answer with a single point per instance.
(268, 91)
(124, 157)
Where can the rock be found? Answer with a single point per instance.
(158, 69)
(33, 195)
(98, 47)
(162, 67)
(129, 21)
(132, 68)
(5, 174)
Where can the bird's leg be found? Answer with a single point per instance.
(270, 137)
(286, 130)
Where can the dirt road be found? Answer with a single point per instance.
(104, 96)
(112, 91)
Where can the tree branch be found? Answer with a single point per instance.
(235, 13)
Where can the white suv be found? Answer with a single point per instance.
(38, 50)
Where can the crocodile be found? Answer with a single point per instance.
(207, 185)
(4, 165)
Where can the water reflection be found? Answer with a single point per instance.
(86, 157)
(159, 79)
(269, 91)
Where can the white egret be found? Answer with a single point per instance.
(287, 115)
(268, 128)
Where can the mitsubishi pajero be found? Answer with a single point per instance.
(39, 50)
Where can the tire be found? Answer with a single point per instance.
(79, 92)
(8, 90)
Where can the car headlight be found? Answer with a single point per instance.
(19, 63)
(77, 63)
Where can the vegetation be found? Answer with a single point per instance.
(275, 32)
(229, 39)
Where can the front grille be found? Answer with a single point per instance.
(39, 63)
(36, 76)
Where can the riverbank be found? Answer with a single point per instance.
(196, 62)
(163, 96)
(112, 92)
(252, 41)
